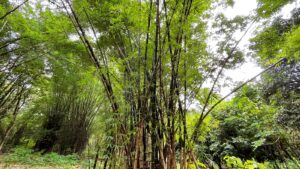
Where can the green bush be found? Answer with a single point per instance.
(237, 163)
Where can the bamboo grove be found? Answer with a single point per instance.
(142, 64)
(151, 92)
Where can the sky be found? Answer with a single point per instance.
(250, 68)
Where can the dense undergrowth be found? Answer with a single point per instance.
(237, 163)
(27, 157)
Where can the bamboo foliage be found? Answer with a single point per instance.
(155, 109)
(68, 122)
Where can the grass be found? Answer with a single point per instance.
(22, 158)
